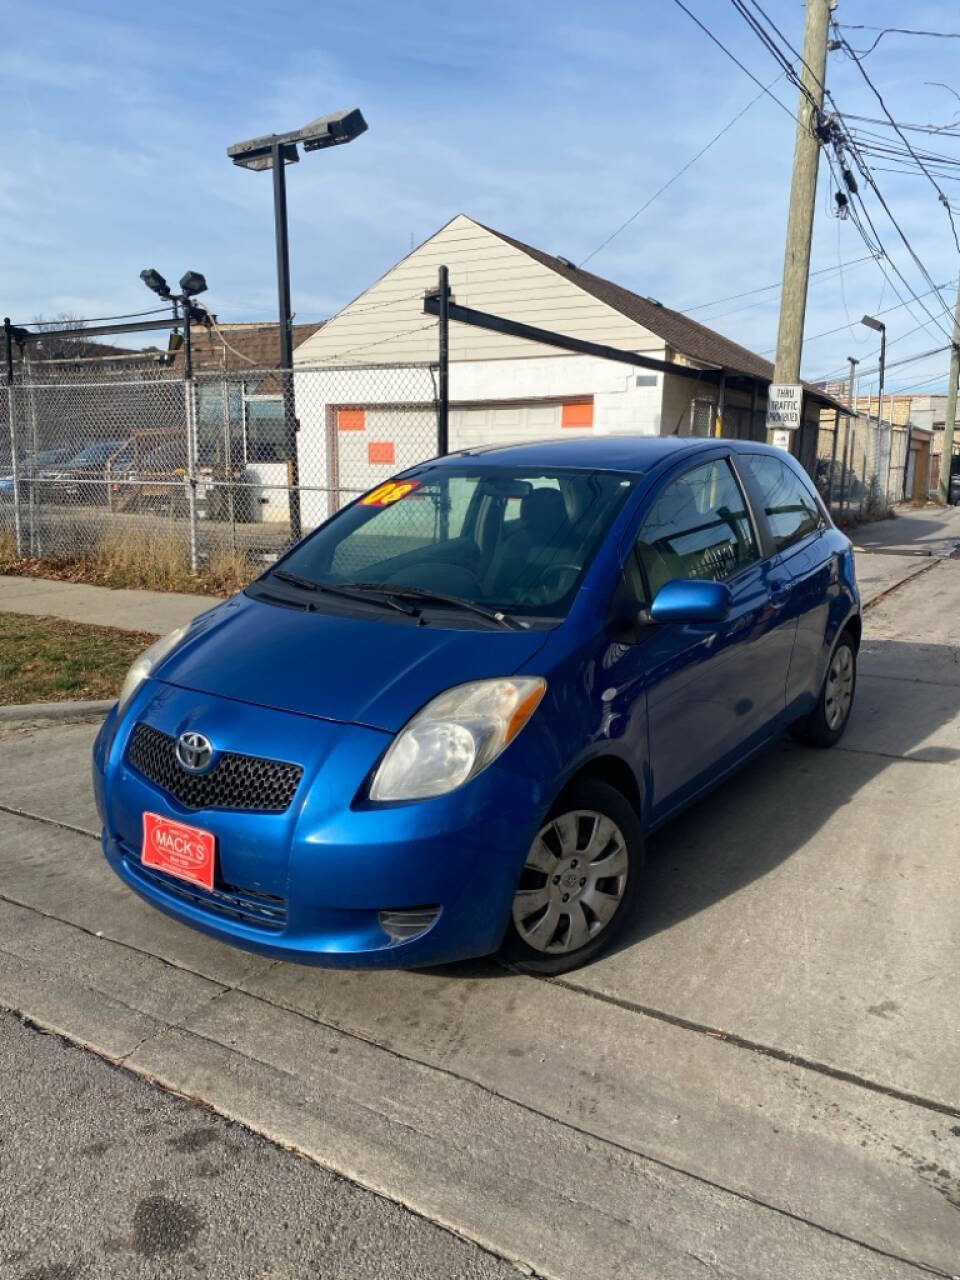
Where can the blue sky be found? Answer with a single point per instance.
(552, 122)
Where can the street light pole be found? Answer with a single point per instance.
(275, 151)
(879, 327)
(286, 338)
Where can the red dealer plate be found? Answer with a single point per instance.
(178, 849)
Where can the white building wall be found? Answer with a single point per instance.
(329, 457)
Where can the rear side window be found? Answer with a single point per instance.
(791, 509)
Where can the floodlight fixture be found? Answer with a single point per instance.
(192, 283)
(156, 283)
(871, 323)
(275, 151)
(325, 131)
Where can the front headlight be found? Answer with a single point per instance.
(455, 736)
(147, 662)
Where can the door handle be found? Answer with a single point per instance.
(779, 592)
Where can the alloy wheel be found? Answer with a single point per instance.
(573, 881)
(839, 689)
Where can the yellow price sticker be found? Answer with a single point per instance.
(387, 494)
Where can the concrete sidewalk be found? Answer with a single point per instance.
(156, 612)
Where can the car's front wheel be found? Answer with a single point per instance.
(580, 881)
(829, 718)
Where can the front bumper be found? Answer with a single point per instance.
(309, 884)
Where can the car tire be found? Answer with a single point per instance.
(590, 820)
(825, 725)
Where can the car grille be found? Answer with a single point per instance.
(262, 910)
(246, 783)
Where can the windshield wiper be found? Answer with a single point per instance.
(353, 591)
(305, 583)
(441, 597)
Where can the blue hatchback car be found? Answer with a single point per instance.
(442, 725)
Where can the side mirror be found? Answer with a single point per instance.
(688, 600)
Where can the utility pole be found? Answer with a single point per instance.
(946, 456)
(803, 192)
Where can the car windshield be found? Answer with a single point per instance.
(516, 540)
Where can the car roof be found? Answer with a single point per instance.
(631, 453)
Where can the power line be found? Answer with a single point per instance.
(895, 364)
(779, 55)
(877, 244)
(900, 31)
(879, 97)
(868, 257)
(733, 58)
(878, 247)
(828, 333)
(940, 130)
(756, 26)
(130, 315)
(680, 172)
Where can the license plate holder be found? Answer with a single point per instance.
(179, 849)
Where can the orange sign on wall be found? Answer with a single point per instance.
(577, 415)
(351, 419)
(382, 451)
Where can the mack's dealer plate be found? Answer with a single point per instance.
(180, 850)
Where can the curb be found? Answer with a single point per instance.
(901, 582)
(55, 711)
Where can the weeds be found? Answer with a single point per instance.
(148, 559)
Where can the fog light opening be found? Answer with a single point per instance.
(408, 922)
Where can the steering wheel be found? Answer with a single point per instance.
(553, 574)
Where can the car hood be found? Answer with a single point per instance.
(352, 669)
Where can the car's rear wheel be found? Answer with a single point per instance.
(580, 882)
(826, 723)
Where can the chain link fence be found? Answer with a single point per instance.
(861, 467)
(194, 474)
(158, 479)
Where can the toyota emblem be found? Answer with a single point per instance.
(194, 751)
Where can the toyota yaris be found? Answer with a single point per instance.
(443, 724)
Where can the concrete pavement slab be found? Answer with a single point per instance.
(106, 1176)
(64, 875)
(137, 981)
(154, 612)
(929, 528)
(736, 1118)
(878, 574)
(554, 1198)
(84, 1015)
(782, 1134)
(810, 906)
(46, 770)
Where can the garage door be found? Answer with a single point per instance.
(374, 443)
(473, 425)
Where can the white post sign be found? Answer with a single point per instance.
(784, 405)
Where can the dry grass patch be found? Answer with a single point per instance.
(49, 660)
(149, 560)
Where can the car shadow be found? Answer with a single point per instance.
(765, 812)
(901, 530)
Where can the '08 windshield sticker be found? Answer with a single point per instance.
(387, 494)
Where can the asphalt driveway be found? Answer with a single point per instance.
(760, 1081)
